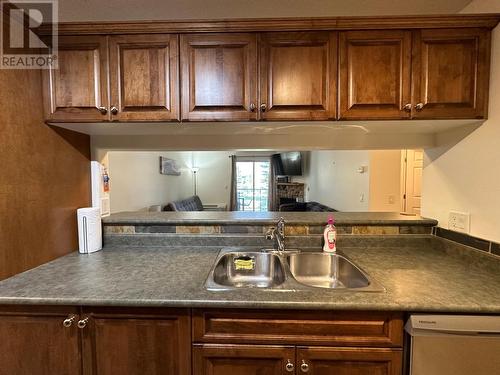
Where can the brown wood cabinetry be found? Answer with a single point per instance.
(136, 342)
(375, 74)
(35, 341)
(78, 89)
(211, 359)
(451, 73)
(144, 77)
(349, 361)
(397, 70)
(219, 77)
(230, 342)
(298, 79)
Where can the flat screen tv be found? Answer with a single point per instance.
(289, 163)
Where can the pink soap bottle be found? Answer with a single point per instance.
(330, 236)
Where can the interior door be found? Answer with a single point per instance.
(298, 76)
(211, 359)
(78, 89)
(412, 198)
(137, 343)
(375, 74)
(144, 77)
(348, 361)
(451, 73)
(219, 77)
(38, 343)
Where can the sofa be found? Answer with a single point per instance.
(305, 207)
(189, 204)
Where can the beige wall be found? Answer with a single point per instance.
(333, 179)
(385, 180)
(466, 176)
(137, 184)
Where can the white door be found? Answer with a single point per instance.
(412, 194)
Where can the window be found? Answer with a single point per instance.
(252, 184)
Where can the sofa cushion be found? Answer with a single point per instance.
(306, 207)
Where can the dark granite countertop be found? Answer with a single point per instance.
(264, 218)
(416, 279)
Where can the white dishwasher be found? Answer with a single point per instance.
(454, 345)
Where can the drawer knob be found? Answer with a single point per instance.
(304, 367)
(289, 366)
(407, 107)
(69, 321)
(103, 110)
(82, 323)
(419, 106)
(252, 107)
(114, 110)
(263, 107)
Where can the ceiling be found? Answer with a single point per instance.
(128, 10)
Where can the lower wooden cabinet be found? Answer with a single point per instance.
(349, 361)
(216, 359)
(35, 341)
(137, 342)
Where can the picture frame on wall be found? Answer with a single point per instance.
(169, 167)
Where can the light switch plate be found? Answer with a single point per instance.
(459, 221)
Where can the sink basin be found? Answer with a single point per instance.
(324, 270)
(247, 270)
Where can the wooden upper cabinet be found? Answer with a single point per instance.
(211, 359)
(78, 89)
(375, 75)
(36, 342)
(144, 77)
(137, 343)
(298, 76)
(352, 361)
(219, 77)
(451, 73)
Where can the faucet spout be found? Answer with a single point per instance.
(278, 234)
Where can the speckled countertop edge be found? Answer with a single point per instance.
(263, 218)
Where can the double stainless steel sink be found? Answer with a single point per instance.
(290, 270)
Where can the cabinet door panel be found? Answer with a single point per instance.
(144, 77)
(218, 77)
(242, 359)
(375, 75)
(451, 73)
(298, 75)
(38, 344)
(76, 90)
(350, 361)
(137, 344)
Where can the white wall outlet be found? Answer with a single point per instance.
(391, 199)
(459, 221)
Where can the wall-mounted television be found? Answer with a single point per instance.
(289, 163)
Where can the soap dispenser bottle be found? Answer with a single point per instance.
(330, 236)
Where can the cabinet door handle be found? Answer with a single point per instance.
(114, 110)
(304, 367)
(103, 110)
(252, 107)
(83, 323)
(407, 107)
(419, 106)
(263, 107)
(69, 321)
(289, 366)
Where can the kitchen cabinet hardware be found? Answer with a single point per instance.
(83, 323)
(114, 110)
(304, 367)
(419, 106)
(103, 110)
(289, 366)
(69, 321)
(407, 107)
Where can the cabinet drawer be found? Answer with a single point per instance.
(339, 328)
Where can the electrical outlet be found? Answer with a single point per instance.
(459, 221)
(391, 199)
